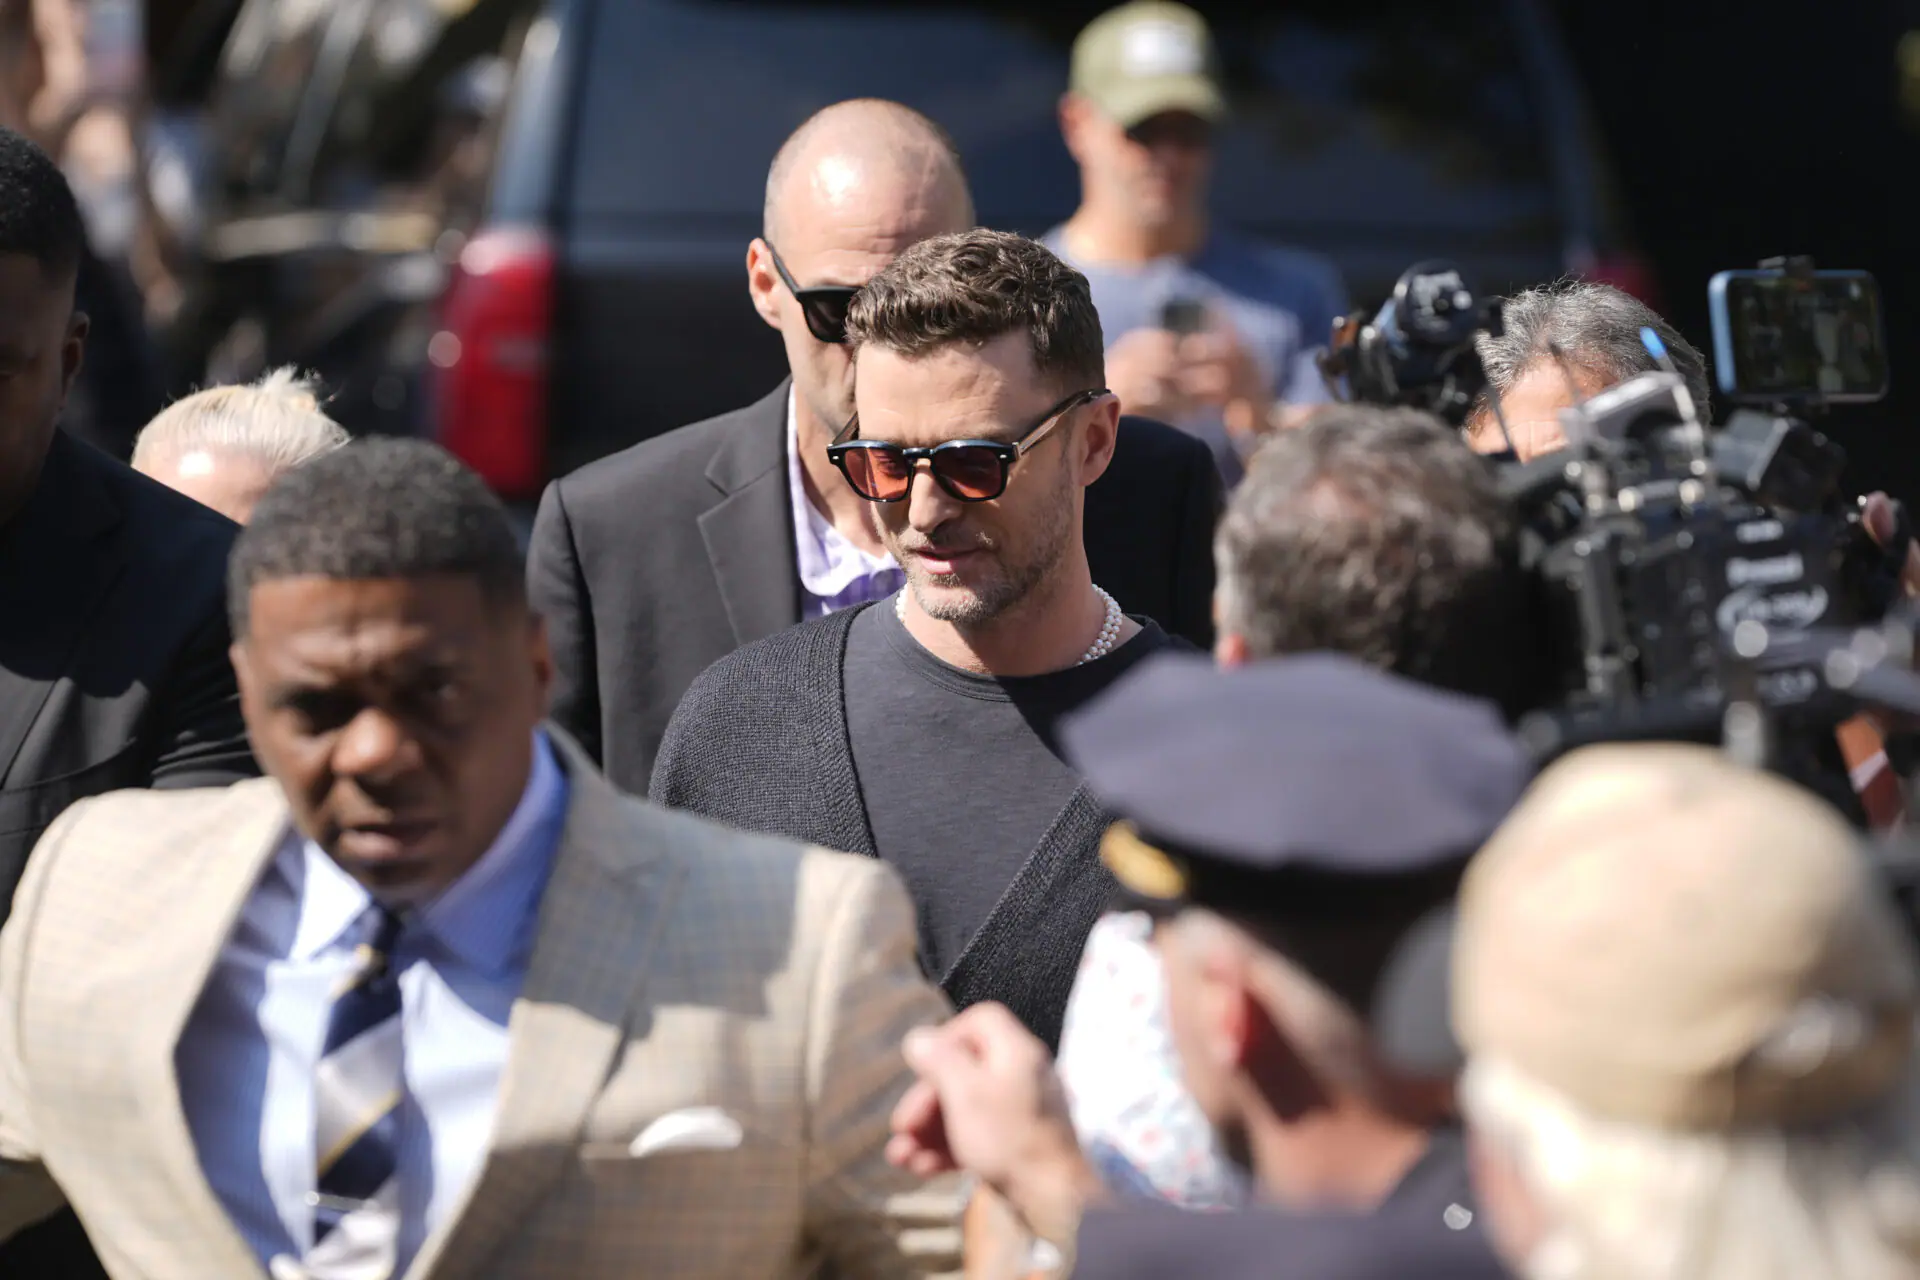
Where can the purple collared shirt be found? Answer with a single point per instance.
(834, 574)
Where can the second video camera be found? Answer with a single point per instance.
(1672, 560)
(1419, 350)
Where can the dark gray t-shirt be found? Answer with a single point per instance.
(960, 771)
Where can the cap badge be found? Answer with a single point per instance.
(1139, 866)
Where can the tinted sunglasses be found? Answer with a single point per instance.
(970, 470)
(824, 306)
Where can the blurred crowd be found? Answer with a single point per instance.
(1036, 793)
(73, 80)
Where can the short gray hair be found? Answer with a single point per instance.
(1377, 533)
(1839, 1200)
(1597, 330)
(277, 421)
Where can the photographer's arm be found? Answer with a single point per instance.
(1863, 738)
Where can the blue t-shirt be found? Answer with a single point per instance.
(1281, 302)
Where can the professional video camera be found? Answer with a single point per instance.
(1419, 350)
(1695, 584)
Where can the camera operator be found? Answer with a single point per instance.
(1595, 329)
(1566, 342)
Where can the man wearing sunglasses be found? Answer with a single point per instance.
(919, 729)
(654, 563)
(1206, 329)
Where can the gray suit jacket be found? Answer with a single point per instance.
(679, 968)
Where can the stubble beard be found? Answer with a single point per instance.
(1016, 580)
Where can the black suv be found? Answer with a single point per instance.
(591, 292)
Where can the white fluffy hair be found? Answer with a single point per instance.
(277, 421)
(1840, 1200)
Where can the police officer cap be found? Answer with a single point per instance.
(1255, 788)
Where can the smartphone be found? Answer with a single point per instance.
(1183, 316)
(1811, 336)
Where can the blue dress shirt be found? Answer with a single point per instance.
(247, 1056)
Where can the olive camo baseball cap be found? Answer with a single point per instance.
(1145, 58)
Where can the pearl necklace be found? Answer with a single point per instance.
(1102, 644)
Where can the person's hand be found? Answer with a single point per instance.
(1215, 369)
(987, 1101)
(1879, 520)
(1143, 370)
(1862, 738)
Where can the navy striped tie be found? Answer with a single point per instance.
(357, 1090)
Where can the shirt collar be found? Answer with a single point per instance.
(330, 899)
(827, 562)
(498, 899)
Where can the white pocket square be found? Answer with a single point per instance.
(690, 1129)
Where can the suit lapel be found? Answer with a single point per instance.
(749, 532)
(609, 890)
(52, 572)
(179, 958)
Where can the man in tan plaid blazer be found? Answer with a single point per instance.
(703, 1048)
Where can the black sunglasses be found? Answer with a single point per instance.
(970, 470)
(824, 305)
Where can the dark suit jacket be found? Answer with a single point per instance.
(654, 563)
(113, 673)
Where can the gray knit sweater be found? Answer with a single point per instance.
(760, 742)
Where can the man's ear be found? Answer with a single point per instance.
(540, 652)
(1226, 1006)
(1099, 436)
(1073, 113)
(73, 351)
(763, 282)
(242, 667)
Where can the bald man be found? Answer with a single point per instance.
(654, 563)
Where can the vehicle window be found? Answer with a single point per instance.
(416, 117)
(415, 58)
(1348, 117)
(266, 73)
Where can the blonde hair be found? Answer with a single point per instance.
(1840, 1200)
(276, 421)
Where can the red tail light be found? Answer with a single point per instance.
(490, 359)
(1627, 272)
